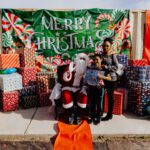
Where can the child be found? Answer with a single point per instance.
(96, 92)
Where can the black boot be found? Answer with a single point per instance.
(89, 119)
(70, 115)
(107, 117)
(78, 115)
(97, 119)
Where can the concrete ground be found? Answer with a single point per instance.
(38, 121)
(35, 129)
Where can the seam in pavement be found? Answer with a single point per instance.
(30, 121)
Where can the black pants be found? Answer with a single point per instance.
(110, 87)
(95, 101)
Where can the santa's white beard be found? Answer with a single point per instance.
(81, 67)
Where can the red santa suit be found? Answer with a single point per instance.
(71, 81)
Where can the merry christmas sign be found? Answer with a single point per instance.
(58, 35)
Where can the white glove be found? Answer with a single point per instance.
(56, 93)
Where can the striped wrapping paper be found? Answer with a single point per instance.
(28, 76)
(10, 82)
(44, 99)
(9, 101)
(52, 77)
(9, 61)
(42, 84)
(136, 62)
(30, 101)
(123, 59)
(139, 97)
(27, 58)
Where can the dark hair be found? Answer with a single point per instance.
(98, 55)
(110, 40)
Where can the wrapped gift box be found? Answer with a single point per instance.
(27, 58)
(9, 101)
(125, 98)
(123, 59)
(44, 99)
(42, 84)
(138, 73)
(118, 102)
(136, 62)
(138, 97)
(9, 61)
(28, 76)
(52, 77)
(28, 91)
(10, 82)
(30, 101)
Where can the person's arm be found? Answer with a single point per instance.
(115, 60)
(101, 77)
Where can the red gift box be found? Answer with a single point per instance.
(125, 97)
(42, 84)
(136, 62)
(27, 58)
(28, 76)
(9, 101)
(118, 103)
(51, 78)
(44, 99)
(9, 61)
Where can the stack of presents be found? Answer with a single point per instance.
(25, 88)
(133, 92)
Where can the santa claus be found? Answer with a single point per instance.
(70, 85)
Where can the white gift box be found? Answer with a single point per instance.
(10, 82)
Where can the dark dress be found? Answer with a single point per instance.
(111, 63)
(95, 95)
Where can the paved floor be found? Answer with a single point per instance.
(38, 121)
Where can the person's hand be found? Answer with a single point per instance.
(103, 66)
(100, 76)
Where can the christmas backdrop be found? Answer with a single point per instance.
(58, 35)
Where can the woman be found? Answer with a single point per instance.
(110, 63)
(96, 92)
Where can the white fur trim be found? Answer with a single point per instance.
(72, 89)
(56, 92)
(82, 105)
(68, 105)
(77, 80)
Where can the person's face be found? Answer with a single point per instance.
(107, 47)
(97, 61)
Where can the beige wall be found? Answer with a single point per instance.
(137, 32)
